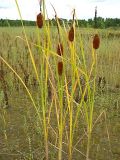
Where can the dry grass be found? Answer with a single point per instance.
(22, 131)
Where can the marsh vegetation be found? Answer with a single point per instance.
(59, 93)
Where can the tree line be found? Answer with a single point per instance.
(101, 22)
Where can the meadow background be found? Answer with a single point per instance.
(46, 115)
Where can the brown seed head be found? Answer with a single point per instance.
(71, 34)
(60, 49)
(60, 68)
(96, 41)
(40, 20)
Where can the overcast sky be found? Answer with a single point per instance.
(84, 8)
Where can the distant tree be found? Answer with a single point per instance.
(100, 22)
(91, 23)
(82, 23)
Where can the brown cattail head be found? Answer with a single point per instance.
(60, 49)
(40, 20)
(96, 41)
(71, 34)
(60, 68)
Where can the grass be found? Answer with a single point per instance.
(20, 123)
(52, 116)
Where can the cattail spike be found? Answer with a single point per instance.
(71, 34)
(40, 20)
(72, 29)
(96, 41)
(60, 68)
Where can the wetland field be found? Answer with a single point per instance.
(59, 100)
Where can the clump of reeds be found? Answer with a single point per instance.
(87, 94)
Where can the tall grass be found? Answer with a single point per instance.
(72, 87)
(66, 114)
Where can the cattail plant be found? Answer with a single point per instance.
(60, 65)
(71, 33)
(96, 38)
(40, 18)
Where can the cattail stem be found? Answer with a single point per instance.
(95, 18)
(40, 3)
(57, 21)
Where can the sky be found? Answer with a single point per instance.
(84, 8)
